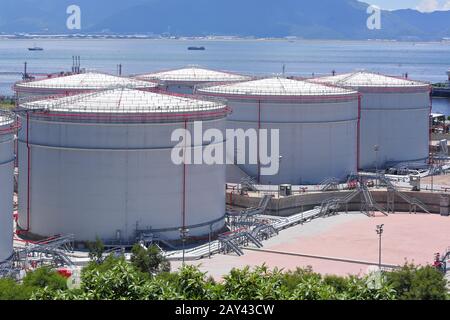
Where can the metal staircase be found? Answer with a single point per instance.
(330, 184)
(393, 191)
(53, 251)
(247, 217)
(263, 231)
(234, 240)
(333, 206)
(368, 204)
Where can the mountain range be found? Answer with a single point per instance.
(318, 19)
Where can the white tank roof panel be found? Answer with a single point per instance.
(276, 87)
(85, 81)
(124, 101)
(194, 75)
(368, 79)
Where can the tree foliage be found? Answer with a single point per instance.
(418, 283)
(116, 279)
(149, 260)
(96, 250)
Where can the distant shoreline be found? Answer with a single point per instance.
(205, 38)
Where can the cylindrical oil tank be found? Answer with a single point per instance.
(8, 127)
(395, 118)
(75, 84)
(317, 127)
(185, 80)
(100, 165)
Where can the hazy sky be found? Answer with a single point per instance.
(423, 5)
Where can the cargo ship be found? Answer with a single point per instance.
(36, 49)
(197, 48)
(442, 89)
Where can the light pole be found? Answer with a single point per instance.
(209, 243)
(376, 148)
(183, 234)
(380, 233)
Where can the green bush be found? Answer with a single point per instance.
(45, 277)
(312, 288)
(149, 260)
(418, 283)
(292, 279)
(116, 279)
(11, 290)
(96, 250)
(259, 284)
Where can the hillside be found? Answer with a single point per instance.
(319, 19)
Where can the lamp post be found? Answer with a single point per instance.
(183, 234)
(380, 233)
(376, 148)
(209, 240)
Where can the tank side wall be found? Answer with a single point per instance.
(398, 124)
(6, 196)
(93, 192)
(317, 141)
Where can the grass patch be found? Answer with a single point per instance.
(6, 105)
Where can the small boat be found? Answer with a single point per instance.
(197, 48)
(36, 49)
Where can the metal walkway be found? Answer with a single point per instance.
(331, 184)
(393, 191)
(52, 251)
(258, 233)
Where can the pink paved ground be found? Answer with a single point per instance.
(443, 180)
(415, 238)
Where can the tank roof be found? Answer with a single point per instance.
(123, 100)
(193, 74)
(368, 79)
(277, 86)
(85, 81)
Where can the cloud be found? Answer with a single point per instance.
(433, 5)
(446, 6)
(428, 5)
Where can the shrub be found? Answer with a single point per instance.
(418, 283)
(149, 260)
(259, 284)
(11, 290)
(96, 250)
(45, 277)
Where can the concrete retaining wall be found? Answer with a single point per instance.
(287, 206)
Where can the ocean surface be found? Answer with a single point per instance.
(422, 61)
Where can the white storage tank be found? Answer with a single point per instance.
(8, 127)
(77, 83)
(185, 80)
(317, 127)
(395, 118)
(100, 165)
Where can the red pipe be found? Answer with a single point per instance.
(430, 129)
(358, 146)
(184, 176)
(28, 173)
(259, 132)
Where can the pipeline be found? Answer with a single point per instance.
(430, 130)
(358, 138)
(28, 173)
(184, 177)
(259, 135)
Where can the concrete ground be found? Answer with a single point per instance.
(412, 238)
(442, 180)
